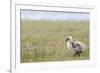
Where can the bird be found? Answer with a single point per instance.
(77, 47)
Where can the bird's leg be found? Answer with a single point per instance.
(79, 53)
(76, 53)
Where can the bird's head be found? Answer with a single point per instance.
(69, 39)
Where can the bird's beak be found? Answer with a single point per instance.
(67, 39)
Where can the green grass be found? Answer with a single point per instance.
(45, 40)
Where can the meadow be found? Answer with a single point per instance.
(44, 40)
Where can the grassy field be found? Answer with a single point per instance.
(45, 40)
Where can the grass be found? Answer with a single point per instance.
(43, 40)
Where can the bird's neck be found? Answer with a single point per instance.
(69, 44)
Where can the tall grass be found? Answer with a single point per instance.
(45, 40)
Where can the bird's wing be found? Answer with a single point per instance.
(81, 44)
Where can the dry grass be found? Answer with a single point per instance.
(45, 40)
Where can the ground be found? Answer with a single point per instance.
(43, 40)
